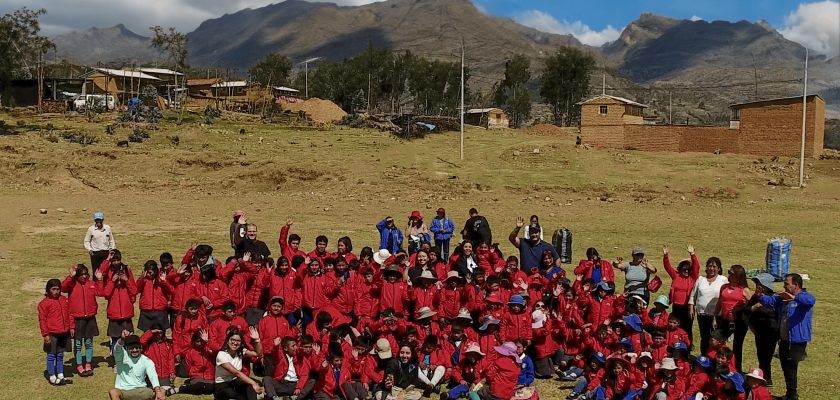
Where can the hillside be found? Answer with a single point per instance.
(116, 44)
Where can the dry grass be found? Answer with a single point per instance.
(159, 196)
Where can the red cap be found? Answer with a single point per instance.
(416, 214)
(441, 210)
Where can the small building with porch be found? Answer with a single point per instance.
(487, 118)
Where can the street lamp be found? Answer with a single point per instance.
(306, 74)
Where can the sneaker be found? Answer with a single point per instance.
(89, 369)
(80, 370)
(65, 381)
(171, 391)
(572, 395)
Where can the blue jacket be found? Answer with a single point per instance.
(799, 314)
(526, 377)
(385, 233)
(442, 228)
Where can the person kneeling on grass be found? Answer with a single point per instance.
(133, 368)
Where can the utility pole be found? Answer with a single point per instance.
(604, 85)
(368, 93)
(670, 113)
(306, 74)
(755, 78)
(804, 115)
(462, 97)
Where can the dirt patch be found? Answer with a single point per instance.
(718, 194)
(546, 129)
(323, 111)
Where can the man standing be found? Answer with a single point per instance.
(443, 228)
(390, 237)
(531, 249)
(794, 307)
(99, 240)
(250, 244)
(477, 229)
(133, 369)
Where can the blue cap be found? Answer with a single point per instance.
(765, 279)
(598, 356)
(517, 299)
(703, 361)
(634, 322)
(736, 379)
(602, 285)
(680, 346)
(98, 215)
(488, 320)
(627, 343)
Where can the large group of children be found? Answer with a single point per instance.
(383, 324)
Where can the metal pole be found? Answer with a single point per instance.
(462, 97)
(804, 114)
(306, 79)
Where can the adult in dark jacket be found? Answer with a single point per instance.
(764, 324)
(390, 237)
(443, 228)
(531, 249)
(477, 229)
(250, 244)
(403, 371)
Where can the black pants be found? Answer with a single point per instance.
(686, 323)
(704, 325)
(234, 389)
(286, 388)
(355, 390)
(740, 332)
(197, 386)
(96, 258)
(790, 354)
(765, 346)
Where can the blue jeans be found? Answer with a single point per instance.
(443, 247)
(55, 363)
(458, 391)
(580, 386)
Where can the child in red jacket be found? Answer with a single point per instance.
(333, 377)
(701, 381)
(200, 365)
(516, 322)
(189, 322)
(667, 385)
(218, 328)
(155, 292)
(675, 332)
(56, 328)
(158, 348)
(593, 374)
(121, 293)
(82, 292)
(758, 385)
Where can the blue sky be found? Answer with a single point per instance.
(813, 23)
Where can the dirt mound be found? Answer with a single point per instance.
(316, 109)
(546, 129)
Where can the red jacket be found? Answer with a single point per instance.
(271, 327)
(218, 331)
(543, 341)
(472, 374)
(313, 255)
(201, 363)
(700, 382)
(281, 367)
(681, 286)
(364, 369)
(315, 291)
(283, 286)
(585, 268)
(424, 331)
(594, 378)
(54, 316)
(154, 295)
(179, 298)
(598, 311)
(651, 319)
(425, 297)
(502, 375)
(437, 357)
(675, 388)
(160, 353)
(516, 326)
(326, 383)
(677, 335)
(240, 278)
(451, 301)
(121, 299)
(367, 300)
(394, 295)
(82, 297)
(760, 393)
(215, 290)
(183, 329)
(285, 249)
(658, 353)
(345, 296)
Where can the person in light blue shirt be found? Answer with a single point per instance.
(133, 369)
(794, 308)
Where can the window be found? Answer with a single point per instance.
(603, 110)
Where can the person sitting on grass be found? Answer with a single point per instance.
(133, 369)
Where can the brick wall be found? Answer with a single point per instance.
(678, 138)
(776, 129)
(652, 138)
(603, 136)
(708, 139)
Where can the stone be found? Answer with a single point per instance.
(43, 211)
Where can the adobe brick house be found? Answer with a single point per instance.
(769, 127)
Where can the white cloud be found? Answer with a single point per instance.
(545, 22)
(696, 18)
(815, 26)
(185, 15)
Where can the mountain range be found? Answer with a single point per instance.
(656, 51)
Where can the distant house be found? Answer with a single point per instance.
(229, 89)
(487, 118)
(117, 82)
(201, 87)
(769, 127)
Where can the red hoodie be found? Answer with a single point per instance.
(394, 295)
(585, 268)
(283, 286)
(285, 249)
(179, 298)
(121, 299)
(240, 281)
(425, 297)
(154, 295)
(270, 327)
(516, 326)
(54, 316)
(183, 329)
(281, 367)
(218, 331)
(315, 291)
(451, 301)
(700, 382)
(201, 362)
(326, 381)
(597, 312)
(681, 286)
(367, 299)
(677, 335)
(502, 375)
(215, 290)
(543, 341)
(82, 297)
(160, 352)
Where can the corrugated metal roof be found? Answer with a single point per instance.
(230, 84)
(793, 98)
(161, 71)
(126, 73)
(482, 110)
(616, 98)
(200, 82)
(286, 89)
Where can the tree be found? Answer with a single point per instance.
(565, 81)
(175, 44)
(512, 92)
(20, 44)
(274, 69)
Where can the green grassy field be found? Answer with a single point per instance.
(159, 196)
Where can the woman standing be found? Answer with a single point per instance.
(733, 297)
(416, 232)
(703, 300)
(636, 274)
(682, 281)
(231, 383)
(764, 324)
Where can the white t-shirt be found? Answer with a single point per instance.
(705, 294)
(222, 375)
(291, 374)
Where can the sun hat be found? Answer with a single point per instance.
(454, 274)
(487, 321)
(626, 343)
(382, 348)
(602, 285)
(645, 354)
(393, 269)
(638, 250)
(426, 274)
(441, 210)
(464, 313)
(680, 346)
(507, 349)
(757, 374)
(598, 356)
(517, 300)
(662, 299)
(633, 321)
(764, 279)
(473, 348)
(669, 364)
(614, 359)
(538, 318)
(98, 215)
(736, 379)
(381, 255)
(703, 361)
(425, 312)
(416, 214)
